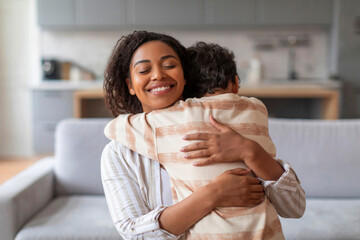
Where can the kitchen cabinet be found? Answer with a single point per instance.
(99, 13)
(55, 14)
(50, 106)
(96, 14)
(229, 12)
(166, 12)
(346, 49)
(286, 12)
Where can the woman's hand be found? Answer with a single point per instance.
(234, 189)
(225, 146)
(229, 146)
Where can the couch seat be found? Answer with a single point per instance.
(326, 219)
(71, 217)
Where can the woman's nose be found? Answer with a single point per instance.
(158, 74)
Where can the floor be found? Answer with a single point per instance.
(10, 166)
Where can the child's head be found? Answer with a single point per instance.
(211, 68)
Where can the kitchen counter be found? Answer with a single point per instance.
(267, 83)
(324, 90)
(67, 85)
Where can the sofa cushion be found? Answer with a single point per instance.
(324, 154)
(78, 147)
(77, 217)
(325, 219)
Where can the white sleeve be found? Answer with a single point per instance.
(129, 211)
(286, 194)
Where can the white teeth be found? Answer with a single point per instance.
(160, 89)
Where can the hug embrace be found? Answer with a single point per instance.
(189, 158)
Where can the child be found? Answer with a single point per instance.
(158, 135)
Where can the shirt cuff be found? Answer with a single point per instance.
(288, 180)
(150, 222)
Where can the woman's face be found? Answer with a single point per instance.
(156, 76)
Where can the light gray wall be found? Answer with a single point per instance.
(92, 48)
(19, 65)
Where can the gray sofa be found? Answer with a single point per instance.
(61, 197)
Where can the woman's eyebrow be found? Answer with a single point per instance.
(141, 61)
(167, 56)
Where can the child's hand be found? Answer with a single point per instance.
(225, 146)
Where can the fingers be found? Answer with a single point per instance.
(257, 196)
(239, 171)
(257, 188)
(194, 146)
(198, 154)
(219, 126)
(198, 136)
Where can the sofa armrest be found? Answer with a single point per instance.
(24, 195)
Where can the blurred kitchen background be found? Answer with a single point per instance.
(301, 57)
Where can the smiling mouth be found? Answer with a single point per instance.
(160, 90)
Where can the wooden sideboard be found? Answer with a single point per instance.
(329, 97)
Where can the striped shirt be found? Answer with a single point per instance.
(252, 124)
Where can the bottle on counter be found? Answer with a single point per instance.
(254, 75)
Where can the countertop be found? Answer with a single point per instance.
(267, 83)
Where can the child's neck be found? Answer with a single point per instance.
(218, 92)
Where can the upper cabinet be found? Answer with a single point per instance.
(166, 12)
(286, 12)
(74, 14)
(229, 12)
(99, 13)
(96, 14)
(54, 13)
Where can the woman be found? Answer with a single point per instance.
(147, 71)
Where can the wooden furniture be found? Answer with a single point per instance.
(329, 97)
(81, 109)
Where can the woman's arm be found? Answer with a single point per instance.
(131, 210)
(231, 189)
(282, 186)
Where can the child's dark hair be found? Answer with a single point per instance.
(117, 96)
(211, 67)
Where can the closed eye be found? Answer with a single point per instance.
(169, 66)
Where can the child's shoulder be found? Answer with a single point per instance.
(228, 97)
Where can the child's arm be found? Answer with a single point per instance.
(134, 132)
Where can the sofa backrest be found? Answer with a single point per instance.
(324, 154)
(78, 147)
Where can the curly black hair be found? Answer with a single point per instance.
(211, 67)
(117, 96)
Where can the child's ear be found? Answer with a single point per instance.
(129, 85)
(235, 86)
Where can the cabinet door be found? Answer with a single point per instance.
(44, 137)
(295, 11)
(230, 12)
(94, 13)
(52, 105)
(55, 13)
(166, 12)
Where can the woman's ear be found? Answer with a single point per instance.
(129, 84)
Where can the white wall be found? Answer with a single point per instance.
(92, 48)
(19, 65)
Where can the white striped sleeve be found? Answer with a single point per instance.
(286, 194)
(129, 211)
